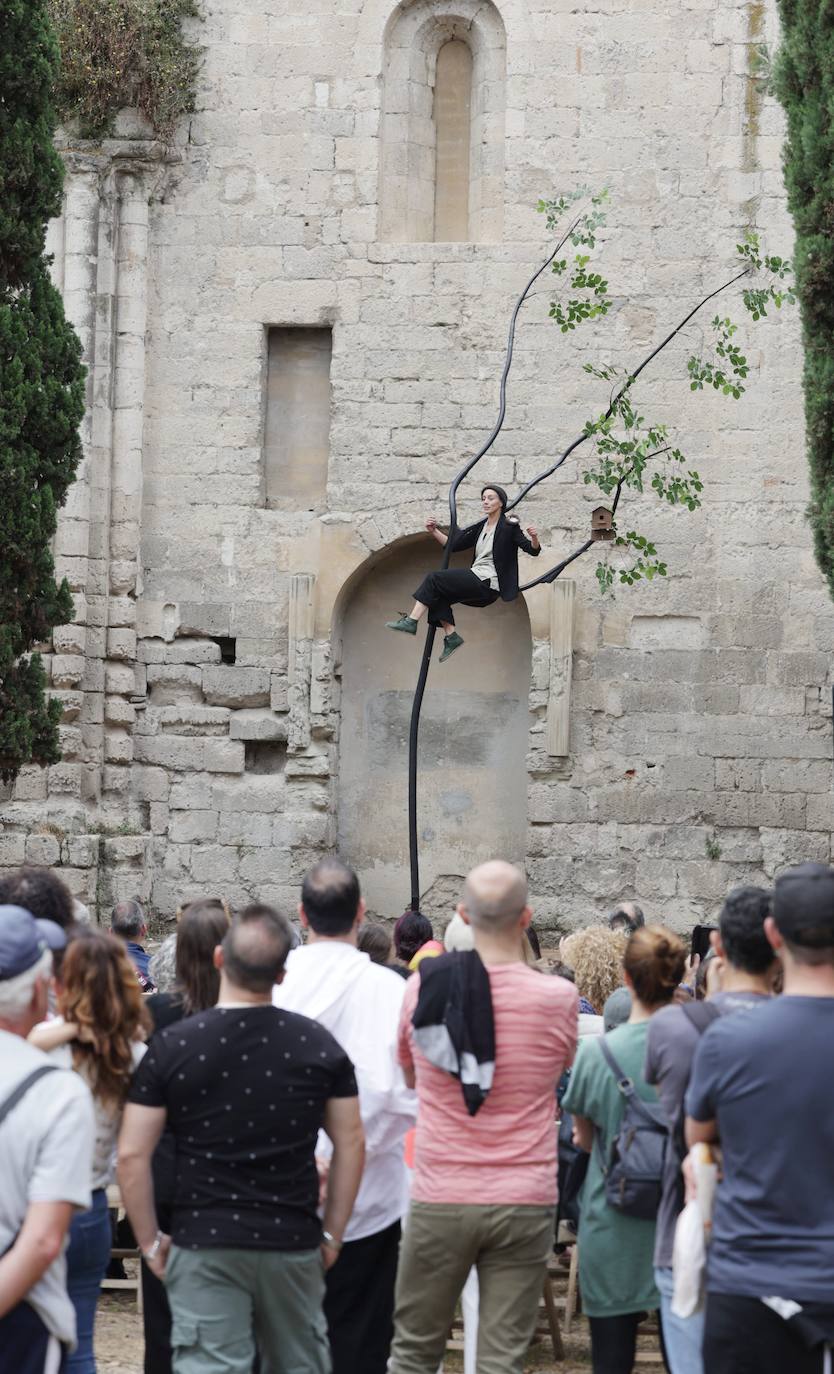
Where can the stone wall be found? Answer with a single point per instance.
(680, 735)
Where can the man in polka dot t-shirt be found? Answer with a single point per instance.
(244, 1088)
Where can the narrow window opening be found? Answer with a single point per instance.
(453, 136)
(297, 424)
(227, 647)
(262, 756)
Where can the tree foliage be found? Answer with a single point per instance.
(630, 450)
(41, 388)
(804, 82)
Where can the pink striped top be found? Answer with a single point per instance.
(507, 1152)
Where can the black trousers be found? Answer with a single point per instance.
(440, 589)
(24, 1342)
(742, 1336)
(614, 1343)
(359, 1303)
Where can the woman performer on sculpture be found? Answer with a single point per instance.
(494, 571)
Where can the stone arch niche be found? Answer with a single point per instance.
(472, 802)
(421, 99)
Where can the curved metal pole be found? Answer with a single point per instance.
(425, 661)
(629, 381)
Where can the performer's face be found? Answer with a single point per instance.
(490, 501)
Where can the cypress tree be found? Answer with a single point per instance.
(804, 82)
(41, 388)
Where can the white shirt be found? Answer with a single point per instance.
(108, 1118)
(46, 1144)
(484, 565)
(360, 1002)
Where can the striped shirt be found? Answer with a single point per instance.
(507, 1152)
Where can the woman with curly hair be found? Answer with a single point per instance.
(99, 1033)
(596, 956)
(616, 1251)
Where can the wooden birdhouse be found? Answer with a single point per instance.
(602, 523)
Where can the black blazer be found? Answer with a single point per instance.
(509, 538)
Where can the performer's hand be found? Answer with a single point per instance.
(533, 533)
(431, 524)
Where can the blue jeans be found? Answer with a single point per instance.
(88, 1254)
(682, 1336)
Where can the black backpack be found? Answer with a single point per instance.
(633, 1173)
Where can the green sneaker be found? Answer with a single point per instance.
(450, 643)
(405, 623)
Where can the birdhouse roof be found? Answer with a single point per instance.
(604, 510)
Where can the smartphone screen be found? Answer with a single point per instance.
(700, 939)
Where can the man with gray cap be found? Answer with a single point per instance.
(46, 1148)
(761, 1085)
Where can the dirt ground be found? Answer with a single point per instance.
(119, 1343)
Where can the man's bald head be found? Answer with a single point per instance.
(494, 896)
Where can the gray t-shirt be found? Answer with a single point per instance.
(670, 1050)
(46, 1148)
(765, 1079)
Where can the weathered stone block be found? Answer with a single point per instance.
(187, 826)
(30, 784)
(69, 741)
(69, 639)
(67, 670)
(265, 866)
(194, 791)
(121, 645)
(83, 850)
(185, 719)
(257, 725)
(224, 756)
(173, 684)
(42, 850)
(124, 849)
(170, 751)
(246, 828)
(120, 681)
(121, 611)
(149, 784)
(12, 850)
(214, 863)
(118, 747)
(228, 685)
(65, 777)
(117, 711)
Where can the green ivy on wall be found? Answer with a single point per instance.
(124, 53)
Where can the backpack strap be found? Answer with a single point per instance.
(23, 1087)
(625, 1084)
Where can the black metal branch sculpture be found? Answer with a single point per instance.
(738, 366)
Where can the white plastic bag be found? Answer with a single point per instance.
(689, 1253)
(689, 1257)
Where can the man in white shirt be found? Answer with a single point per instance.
(46, 1147)
(359, 1002)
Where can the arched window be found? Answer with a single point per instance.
(452, 139)
(442, 156)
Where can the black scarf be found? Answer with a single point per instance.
(453, 1022)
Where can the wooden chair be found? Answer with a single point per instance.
(114, 1204)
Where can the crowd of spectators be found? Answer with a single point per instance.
(325, 1130)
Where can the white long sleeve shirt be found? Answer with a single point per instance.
(360, 1002)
